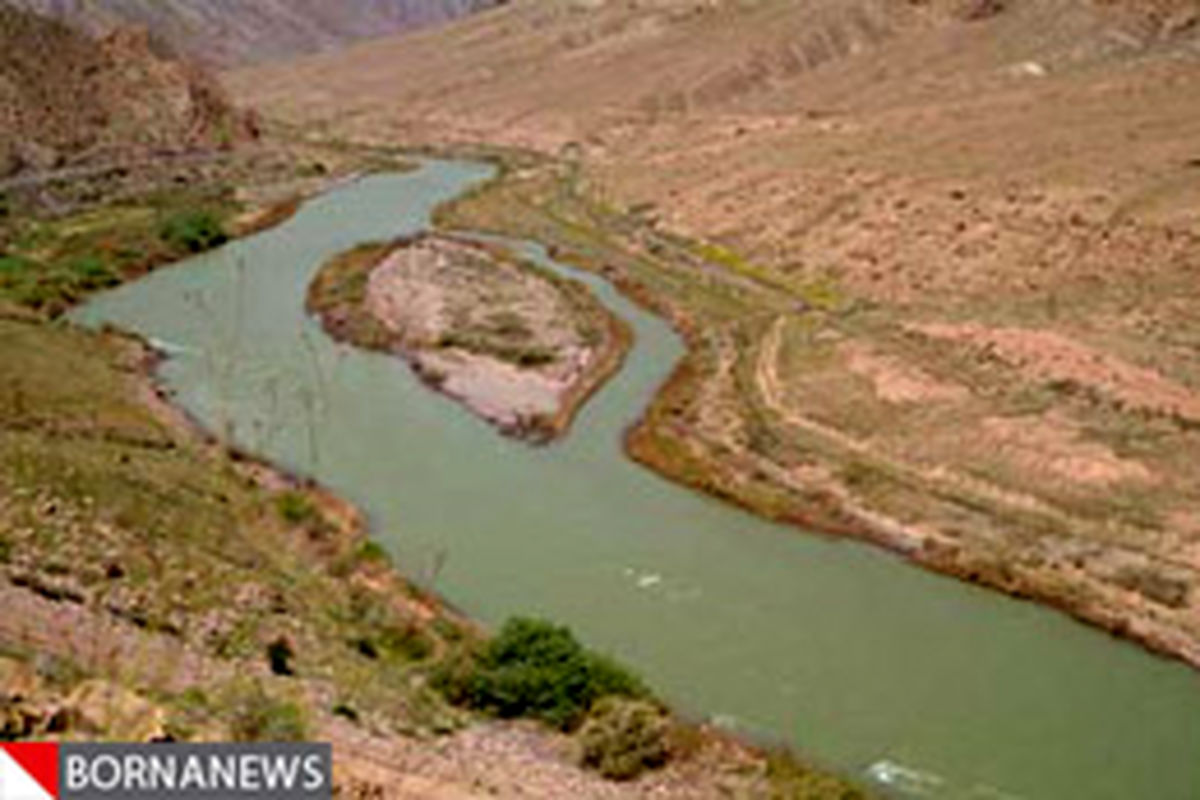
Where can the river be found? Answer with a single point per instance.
(860, 660)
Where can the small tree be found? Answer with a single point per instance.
(193, 232)
(537, 669)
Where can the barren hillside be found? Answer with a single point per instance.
(235, 31)
(66, 96)
(937, 261)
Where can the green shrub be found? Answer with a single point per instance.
(370, 552)
(91, 273)
(192, 231)
(539, 670)
(622, 738)
(295, 508)
(14, 270)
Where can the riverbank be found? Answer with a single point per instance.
(800, 403)
(63, 239)
(517, 345)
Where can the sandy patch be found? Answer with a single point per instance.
(500, 392)
(1053, 444)
(410, 307)
(898, 382)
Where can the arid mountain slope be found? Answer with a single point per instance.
(548, 72)
(718, 94)
(937, 260)
(234, 31)
(66, 96)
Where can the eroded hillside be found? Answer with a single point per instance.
(935, 260)
(66, 97)
(236, 31)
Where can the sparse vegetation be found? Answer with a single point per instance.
(49, 265)
(165, 537)
(257, 716)
(342, 285)
(1165, 590)
(381, 635)
(790, 779)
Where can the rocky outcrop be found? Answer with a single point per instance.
(520, 346)
(240, 31)
(68, 97)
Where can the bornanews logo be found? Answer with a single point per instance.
(28, 771)
(73, 771)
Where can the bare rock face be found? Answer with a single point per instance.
(68, 97)
(224, 32)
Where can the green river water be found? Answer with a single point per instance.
(913, 682)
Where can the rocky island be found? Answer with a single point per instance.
(515, 343)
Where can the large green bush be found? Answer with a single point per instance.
(539, 670)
